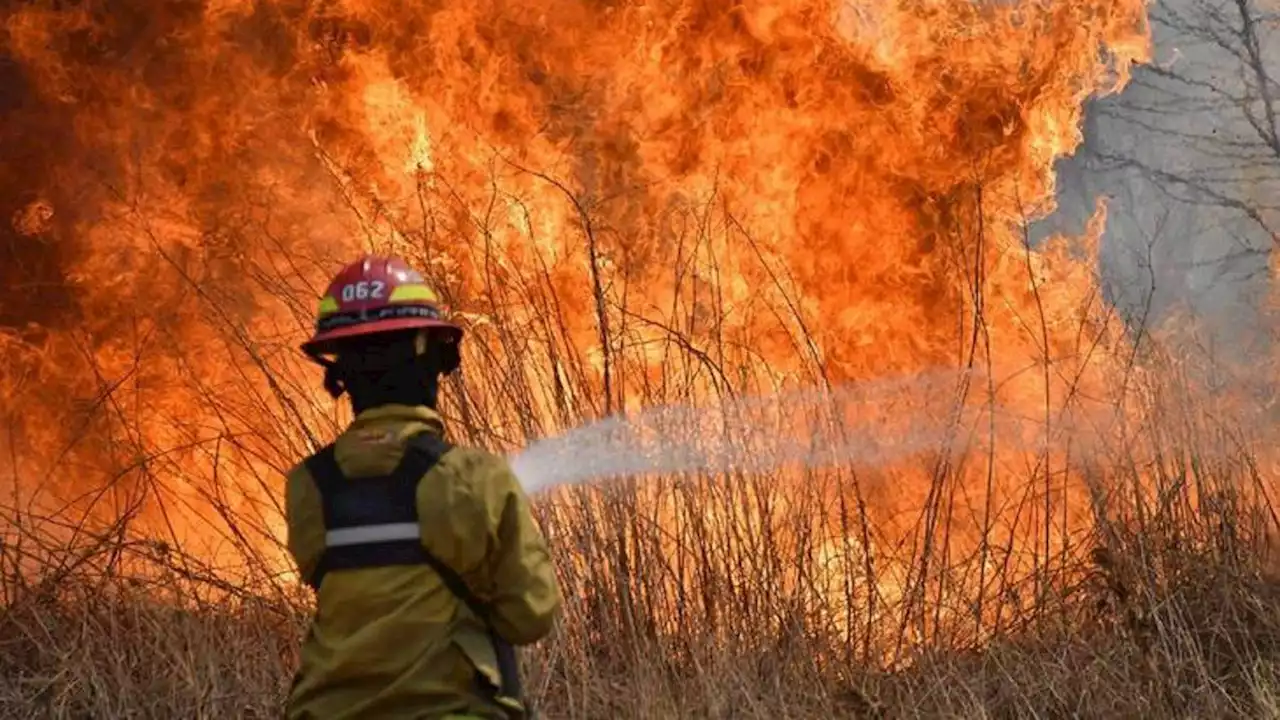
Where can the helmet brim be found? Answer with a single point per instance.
(322, 343)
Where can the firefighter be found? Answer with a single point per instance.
(426, 561)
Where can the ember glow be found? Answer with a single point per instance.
(633, 203)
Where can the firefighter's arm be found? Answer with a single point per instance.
(305, 519)
(524, 596)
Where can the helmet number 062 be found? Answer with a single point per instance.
(364, 290)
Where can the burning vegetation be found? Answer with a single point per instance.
(633, 205)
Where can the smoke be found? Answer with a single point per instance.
(1188, 157)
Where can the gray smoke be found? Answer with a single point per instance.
(1189, 156)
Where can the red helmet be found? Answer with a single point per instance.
(376, 295)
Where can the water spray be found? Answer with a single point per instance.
(871, 424)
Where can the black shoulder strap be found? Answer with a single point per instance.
(324, 470)
(423, 451)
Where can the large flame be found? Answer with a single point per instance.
(632, 202)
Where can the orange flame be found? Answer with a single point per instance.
(632, 203)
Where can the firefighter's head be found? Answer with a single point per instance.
(383, 335)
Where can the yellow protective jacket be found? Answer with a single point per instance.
(394, 642)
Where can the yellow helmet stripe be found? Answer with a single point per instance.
(328, 305)
(413, 293)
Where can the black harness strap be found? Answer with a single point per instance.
(392, 500)
(370, 501)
